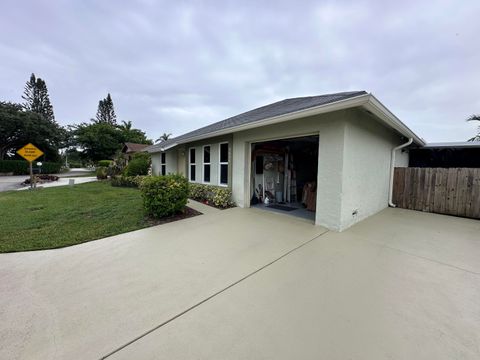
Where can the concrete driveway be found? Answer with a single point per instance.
(247, 284)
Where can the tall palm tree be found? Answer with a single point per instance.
(475, 117)
(163, 137)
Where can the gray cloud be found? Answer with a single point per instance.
(175, 66)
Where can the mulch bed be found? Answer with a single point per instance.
(188, 213)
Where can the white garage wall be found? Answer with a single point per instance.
(366, 165)
(330, 127)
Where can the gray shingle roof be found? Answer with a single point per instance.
(268, 111)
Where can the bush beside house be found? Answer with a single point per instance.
(217, 196)
(164, 195)
(139, 165)
(127, 181)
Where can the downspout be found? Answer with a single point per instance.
(392, 170)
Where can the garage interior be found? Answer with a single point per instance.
(284, 176)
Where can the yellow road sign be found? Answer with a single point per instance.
(30, 152)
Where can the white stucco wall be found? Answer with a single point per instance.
(330, 128)
(402, 158)
(366, 168)
(171, 162)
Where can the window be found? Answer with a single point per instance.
(163, 164)
(223, 164)
(206, 163)
(193, 166)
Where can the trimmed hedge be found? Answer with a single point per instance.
(104, 163)
(138, 166)
(217, 196)
(127, 181)
(164, 195)
(21, 167)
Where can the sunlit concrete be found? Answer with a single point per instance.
(84, 301)
(399, 285)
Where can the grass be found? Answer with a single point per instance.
(62, 216)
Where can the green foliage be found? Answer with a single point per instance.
(217, 196)
(199, 192)
(102, 140)
(163, 137)
(105, 163)
(101, 173)
(21, 167)
(164, 195)
(37, 99)
(222, 198)
(19, 127)
(127, 181)
(137, 166)
(106, 112)
(133, 135)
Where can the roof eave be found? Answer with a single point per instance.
(379, 110)
(368, 101)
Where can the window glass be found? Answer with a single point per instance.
(206, 173)
(163, 158)
(192, 156)
(206, 154)
(224, 152)
(164, 170)
(224, 174)
(192, 172)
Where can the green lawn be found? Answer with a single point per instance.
(61, 216)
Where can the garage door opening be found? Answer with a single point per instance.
(284, 176)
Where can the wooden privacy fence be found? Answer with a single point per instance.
(453, 191)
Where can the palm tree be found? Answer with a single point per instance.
(126, 125)
(475, 117)
(163, 137)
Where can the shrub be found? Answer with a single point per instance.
(142, 155)
(198, 192)
(222, 198)
(101, 173)
(104, 163)
(137, 166)
(127, 181)
(213, 195)
(21, 167)
(164, 195)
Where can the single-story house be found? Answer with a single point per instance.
(130, 148)
(329, 156)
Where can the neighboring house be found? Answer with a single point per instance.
(131, 148)
(332, 152)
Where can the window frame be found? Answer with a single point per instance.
(205, 163)
(220, 163)
(190, 164)
(163, 164)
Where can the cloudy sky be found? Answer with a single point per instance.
(175, 66)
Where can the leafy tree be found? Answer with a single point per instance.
(163, 137)
(106, 112)
(37, 99)
(475, 118)
(99, 141)
(19, 127)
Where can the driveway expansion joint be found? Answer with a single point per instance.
(212, 296)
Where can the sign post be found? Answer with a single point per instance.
(30, 153)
